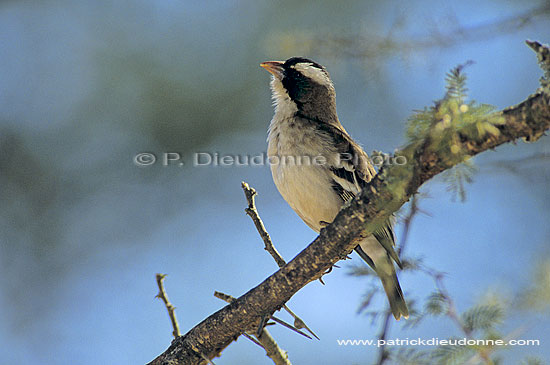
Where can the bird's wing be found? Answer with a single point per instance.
(353, 174)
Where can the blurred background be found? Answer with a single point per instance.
(85, 86)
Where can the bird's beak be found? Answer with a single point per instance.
(274, 67)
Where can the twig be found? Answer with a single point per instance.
(413, 210)
(171, 309)
(264, 339)
(383, 354)
(452, 312)
(252, 211)
(368, 46)
(250, 193)
(451, 306)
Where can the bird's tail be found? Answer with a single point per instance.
(380, 261)
(391, 286)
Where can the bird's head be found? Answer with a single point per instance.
(302, 85)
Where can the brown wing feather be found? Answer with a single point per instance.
(357, 169)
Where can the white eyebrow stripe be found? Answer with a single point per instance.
(312, 72)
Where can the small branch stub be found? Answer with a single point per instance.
(171, 309)
(250, 193)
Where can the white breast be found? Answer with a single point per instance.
(305, 186)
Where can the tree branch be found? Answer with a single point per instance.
(384, 195)
(265, 340)
(250, 194)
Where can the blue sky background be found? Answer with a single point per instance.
(86, 85)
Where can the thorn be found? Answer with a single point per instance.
(253, 340)
(298, 323)
(291, 327)
(261, 326)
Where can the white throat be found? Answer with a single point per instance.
(284, 106)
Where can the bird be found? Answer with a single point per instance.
(305, 124)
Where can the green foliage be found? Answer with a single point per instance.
(457, 177)
(482, 317)
(451, 354)
(411, 264)
(456, 83)
(441, 123)
(411, 356)
(361, 270)
(420, 123)
(530, 360)
(453, 112)
(415, 316)
(537, 295)
(479, 322)
(436, 304)
(367, 299)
